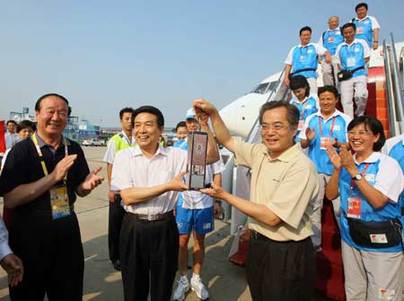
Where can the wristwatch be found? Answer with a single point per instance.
(357, 177)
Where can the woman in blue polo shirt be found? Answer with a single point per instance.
(369, 184)
(306, 103)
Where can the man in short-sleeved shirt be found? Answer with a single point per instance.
(118, 142)
(303, 59)
(41, 179)
(283, 185)
(353, 55)
(330, 39)
(367, 27)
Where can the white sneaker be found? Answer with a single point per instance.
(182, 289)
(199, 288)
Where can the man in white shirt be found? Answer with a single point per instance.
(117, 143)
(11, 135)
(149, 177)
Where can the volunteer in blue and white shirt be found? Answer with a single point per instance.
(303, 59)
(195, 214)
(325, 127)
(306, 103)
(353, 55)
(367, 27)
(369, 184)
(330, 39)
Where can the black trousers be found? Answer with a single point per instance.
(52, 255)
(280, 270)
(149, 258)
(116, 213)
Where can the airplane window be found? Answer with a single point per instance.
(260, 89)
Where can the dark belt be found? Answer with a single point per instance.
(153, 217)
(258, 236)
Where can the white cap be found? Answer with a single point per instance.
(190, 114)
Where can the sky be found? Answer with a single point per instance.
(105, 55)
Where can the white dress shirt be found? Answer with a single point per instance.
(132, 169)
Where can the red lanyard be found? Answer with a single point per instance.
(320, 125)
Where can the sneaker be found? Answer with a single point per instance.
(182, 289)
(199, 288)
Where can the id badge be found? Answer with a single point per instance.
(359, 30)
(351, 62)
(354, 207)
(59, 202)
(324, 142)
(330, 39)
(300, 125)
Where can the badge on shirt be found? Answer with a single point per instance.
(359, 30)
(302, 58)
(330, 39)
(354, 207)
(325, 142)
(351, 62)
(59, 202)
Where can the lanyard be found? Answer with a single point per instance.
(320, 125)
(41, 158)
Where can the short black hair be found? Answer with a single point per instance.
(38, 102)
(328, 88)
(292, 111)
(299, 81)
(304, 28)
(11, 121)
(151, 110)
(125, 110)
(180, 124)
(26, 124)
(362, 4)
(346, 25)
(374, 125)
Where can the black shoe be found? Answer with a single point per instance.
(117, 265)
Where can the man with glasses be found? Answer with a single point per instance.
(280, 264)
(40, 181)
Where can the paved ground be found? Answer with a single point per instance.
(102, 283)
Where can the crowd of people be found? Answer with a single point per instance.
(310, 152)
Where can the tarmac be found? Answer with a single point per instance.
(225, 281)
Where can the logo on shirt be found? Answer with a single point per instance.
(309, 50)
(370, 177)
(337, 127)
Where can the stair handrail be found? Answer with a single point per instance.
(389, 89)
(398, 88)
